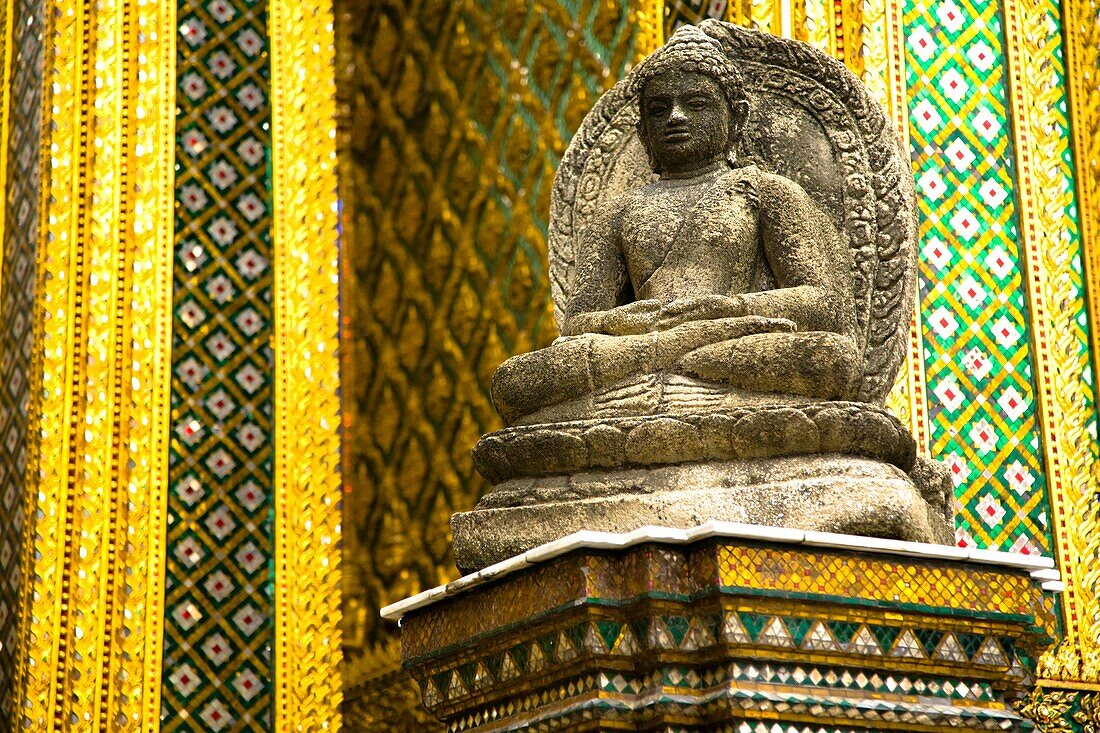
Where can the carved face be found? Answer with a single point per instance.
(687, 121)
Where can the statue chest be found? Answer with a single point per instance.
(695, 239)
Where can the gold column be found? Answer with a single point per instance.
(650, 15)
(307, 370)
(1062, 364)
(1082, 52)
(90, 648)
(1081, 33)
(7, 38)
(876, 50)
(767, 15)
(742, 12)
(817, 17)
(884, 73)
(847, 30)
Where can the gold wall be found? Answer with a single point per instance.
(455, 115)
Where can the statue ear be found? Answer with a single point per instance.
(739, 115)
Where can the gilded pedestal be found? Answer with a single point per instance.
(729, 627)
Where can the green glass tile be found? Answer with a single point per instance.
(970, 643)
(929, 639)
(494, 664)
(977, 360)
(609, 632)
(798, 628)
(885, 636)
(753, 622)
(677, 626)
(219, 553)
(576, 635)
(520, 654)
(842, 630)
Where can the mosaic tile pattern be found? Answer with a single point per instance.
(826, 646)
(758, 574)
(16, 331)
(728, 631)
(981, 393)
(217, 659)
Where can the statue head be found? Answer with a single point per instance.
(692, 104)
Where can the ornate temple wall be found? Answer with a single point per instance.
(999, 379)
(451, 145)
(169, 475)
(212, 344)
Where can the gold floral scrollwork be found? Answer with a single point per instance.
(1070, 661)
(1081, 34)
(1049, 710)
(1088, 713)
(1051, 245)
(1062, 711)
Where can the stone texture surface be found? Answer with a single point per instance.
(825, 492)
(809, 121)
(765, 431)
(732, 262)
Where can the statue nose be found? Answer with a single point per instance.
(677, 115)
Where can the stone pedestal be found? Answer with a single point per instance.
(732, 628)
(843, 467)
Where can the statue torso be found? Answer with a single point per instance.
(692, 237)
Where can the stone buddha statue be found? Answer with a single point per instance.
(732, 261)
(718, 282)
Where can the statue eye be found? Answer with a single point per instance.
(657, 107)
(698, 101)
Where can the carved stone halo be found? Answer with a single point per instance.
(848, 159)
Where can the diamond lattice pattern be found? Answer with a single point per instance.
(217, 665)
(977, 362)
(16, 331)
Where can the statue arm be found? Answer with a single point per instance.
(804, 251)
(601, 289)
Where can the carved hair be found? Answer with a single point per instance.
(690, 50)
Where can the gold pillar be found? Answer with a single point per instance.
(307, 369)
(7, 40)
(90, 647)
(1060, 341)
(1081, 19)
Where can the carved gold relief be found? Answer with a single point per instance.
(453, 118)
(1058, 710)
(1082, 55)
(454, 123)
(307, 371)
(1049, 710)
(1060, 337)
(91, 641)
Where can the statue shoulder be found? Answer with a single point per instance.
(780, 189)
